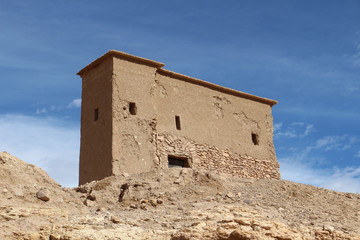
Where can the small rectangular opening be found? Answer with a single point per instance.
(255, 138)
(96, 114)
(132, 108)
(178, 162)
(177, 122)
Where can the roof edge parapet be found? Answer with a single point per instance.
(179, 76)
(217, 87)
(122, 55)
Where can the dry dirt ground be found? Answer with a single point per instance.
(173, 204)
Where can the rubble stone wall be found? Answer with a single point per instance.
(203, 156)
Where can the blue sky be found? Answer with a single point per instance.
(305, 54)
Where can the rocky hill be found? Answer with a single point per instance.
(173, 204)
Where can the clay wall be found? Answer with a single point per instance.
(211, 117)
(96, 135)
(133, 145)
(215, 129)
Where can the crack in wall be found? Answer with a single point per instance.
(219, 103)
(247, 122)
(159, 89)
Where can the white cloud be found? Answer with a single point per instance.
(294, 130)
(335, 114)
(76, 103)
(297, 124)
(338, 179)
(277, 126)
(329, 142)
(56, 108)
(289, 132)
(302, 165)
(309, 128)
(356, 56)
(41, 110)
(51, 144)
(341, 142)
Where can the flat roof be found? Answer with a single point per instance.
(160, 70)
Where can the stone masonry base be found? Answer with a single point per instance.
(202, 156)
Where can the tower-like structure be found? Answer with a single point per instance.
(137, 117)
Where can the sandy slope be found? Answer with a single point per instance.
(175, 204)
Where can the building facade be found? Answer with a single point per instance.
(138, 117)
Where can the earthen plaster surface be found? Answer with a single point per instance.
(217, 124)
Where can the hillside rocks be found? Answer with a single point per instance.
(176, 204)
(43, 194)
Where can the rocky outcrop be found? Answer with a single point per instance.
(176, 204)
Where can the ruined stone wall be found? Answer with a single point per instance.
(203, 156)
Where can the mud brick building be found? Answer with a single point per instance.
(137, 117)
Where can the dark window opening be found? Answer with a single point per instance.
(132, 108)
(96, 114)
(177, 122)
(255, 138)
(178, 162)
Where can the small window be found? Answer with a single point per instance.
(177, 122)
(178, 162)
(255, 138)
(96, 114)
(132, 108)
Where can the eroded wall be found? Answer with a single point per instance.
(96, 135)
(214, 118)
(204, 156)
(216, 128)
(133, 135)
